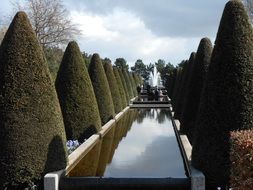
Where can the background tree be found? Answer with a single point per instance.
(160, 64)
(50, 21)
(87, 58)
(2, 33)
(54, 56)
(140, 68)
(150, 68)
(163, 68)
(121, 63)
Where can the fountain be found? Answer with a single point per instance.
(155, 78)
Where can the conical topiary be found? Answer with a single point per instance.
(136, 79)
(114, 87)
(226, 103)
(101, 89)
(172, 83)
(76, 96)
(121, 88)
(196, 82)
(124, 85)
(191, 63)
(128, 83)
(31, 122)
(176, 87)
(132, 84)
(178, 102)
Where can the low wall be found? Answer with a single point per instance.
(197, 177)
(51, 180)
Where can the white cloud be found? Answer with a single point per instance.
(121, 33)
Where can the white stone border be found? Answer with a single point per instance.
(197, 177)
(51, 180)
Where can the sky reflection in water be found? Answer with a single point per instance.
(150, 148)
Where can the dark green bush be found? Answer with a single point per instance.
(172, 83)
(101, 89)
(181, 90)
(132, 84)
(226, 103)
(30, 117)
(128, 83)
(113, 87)
(124, 85)
(176, 87)
(76, 96)
(120, 86)
(196, 82)
(136, 79)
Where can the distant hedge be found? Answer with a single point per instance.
(133, 84)
(120, 86)
(226, 103)
(116, 97)
(123, 80)
(101, 89)
(32, 135)
(76, 96)
(196, 82)
(128, 83)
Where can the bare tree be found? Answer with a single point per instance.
(50, 20)
(249, 6)
(2, 33)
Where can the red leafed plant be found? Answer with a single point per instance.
(241, 157)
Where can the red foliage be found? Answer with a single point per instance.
(241, 157)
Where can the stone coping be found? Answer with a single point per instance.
(150, 105)
(85, 147)
(197, 177)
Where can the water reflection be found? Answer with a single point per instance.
(141, 144)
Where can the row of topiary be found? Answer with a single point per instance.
(212, 96)
(34, 123)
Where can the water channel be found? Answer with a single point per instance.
(142, 144)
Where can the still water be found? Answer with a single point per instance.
(141, 144)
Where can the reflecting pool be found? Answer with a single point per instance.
(141, 144)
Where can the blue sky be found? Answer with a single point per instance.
(138, 29)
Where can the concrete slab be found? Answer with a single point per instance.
(51, 180)
(149, 105)
(177, 123)
(197, 179)
(81, 151)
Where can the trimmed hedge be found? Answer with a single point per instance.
(120, 86)
(128, 83)
(181, 90)
(124, 85)
(133, 84)
(176, 88)
(136, 79)
(101, 89)
(113, 87)
(172, 83)
(76, 96)
(196, 82)
(32, 135)
(226, 102)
